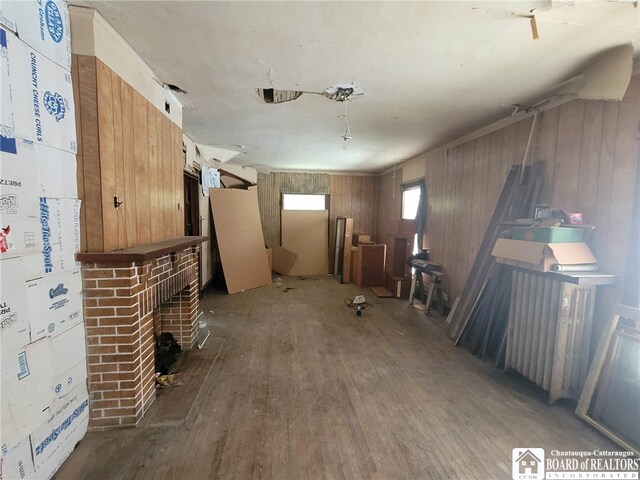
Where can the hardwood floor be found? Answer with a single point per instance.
(302, 388)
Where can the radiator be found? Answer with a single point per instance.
(549, 333)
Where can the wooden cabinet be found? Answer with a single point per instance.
(370, 265)
(130, 163)
(398, 252)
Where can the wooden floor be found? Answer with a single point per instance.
(298, 387)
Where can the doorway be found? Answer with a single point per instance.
(191, 205)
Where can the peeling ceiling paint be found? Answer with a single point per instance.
(432, 71)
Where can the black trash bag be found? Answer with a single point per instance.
(167, 349)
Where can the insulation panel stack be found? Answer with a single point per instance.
(43, 394)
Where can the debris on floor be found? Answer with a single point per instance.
(170, 380)
(359, 303)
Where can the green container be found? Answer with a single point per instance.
(548, 234)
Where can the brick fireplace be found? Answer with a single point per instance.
(130, 297)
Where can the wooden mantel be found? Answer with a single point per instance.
(142, 252)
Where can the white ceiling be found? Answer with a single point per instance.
(431, 71)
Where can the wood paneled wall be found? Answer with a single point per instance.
(353, 196)
(128, 148)
(389, 201)
(590, 151)
(349, 196)
(270, 188)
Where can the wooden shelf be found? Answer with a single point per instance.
(142, 252)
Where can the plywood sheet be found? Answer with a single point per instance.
(306, 233)
(240, 240)
(282, 259)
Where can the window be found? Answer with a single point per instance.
(296, 201)
(410, 203)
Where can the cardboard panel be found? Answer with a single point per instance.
(7, 127)
(14, 317)
(306, 233)
(60, 235)
(18, 210)
(44, 90)
(25, 388)
(16, 459)
(45, 27)
(54, 440)
(55, 303)
(240, 240)
(541, 256)
(69, 361)
(8, 14)
(282, 260)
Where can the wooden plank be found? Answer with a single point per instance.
(75, 75)
(130, 185)
(153, 144)
(568, 152)
(177, 205)
(547, 150)
(371, 204)
(141, 158)
(504, 209)
(141, 253)
(625, 170)
(92, 199)
(589, 160)
(346, 251)
(165, 189)
(109, 224)
(466, 217)
(119, 159)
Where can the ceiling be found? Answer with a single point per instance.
(431, 71)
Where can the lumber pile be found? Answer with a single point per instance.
(479, 322)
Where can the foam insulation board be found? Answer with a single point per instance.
(7, 126)
(18, 209)
(306, 234)
(43, 90)
(25, 388)
(8, 14)
(53, 170)
(16, 459)
(55, 440)
(55, 303)
(60, 235)
(69, 361)
(240, 240)
(44, 25)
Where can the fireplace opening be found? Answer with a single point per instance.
(167, 351)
